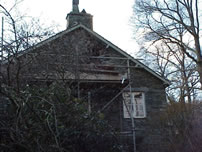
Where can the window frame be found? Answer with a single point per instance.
(132, 95)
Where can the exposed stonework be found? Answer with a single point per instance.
(76, 17)
(79, 54)
(83, 18)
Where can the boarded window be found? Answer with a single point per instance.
(136, 106)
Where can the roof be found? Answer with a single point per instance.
(108, 43)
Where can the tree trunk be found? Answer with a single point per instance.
(199, 69)
(199, 57)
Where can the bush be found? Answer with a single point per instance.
(50, 119)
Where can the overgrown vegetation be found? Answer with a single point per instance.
(180, 127)
(50, 119)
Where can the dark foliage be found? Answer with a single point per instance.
(180, 127)
(50, 119)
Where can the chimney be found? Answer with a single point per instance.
(76, 17)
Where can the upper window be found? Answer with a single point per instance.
(134, 104)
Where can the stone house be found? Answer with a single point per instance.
(115, 83)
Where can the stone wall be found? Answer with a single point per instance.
(148, 139)
(83, 18)
(69, 53)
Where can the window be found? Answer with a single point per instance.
(136, 106)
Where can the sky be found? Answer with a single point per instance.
(111, 18)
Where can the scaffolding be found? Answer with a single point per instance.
(110, 66)
(98, 69)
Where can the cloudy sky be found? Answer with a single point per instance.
(111, 17)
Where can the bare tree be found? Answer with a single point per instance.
(20, 33)
(170, 62)
(174, 22)
(180, 124)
